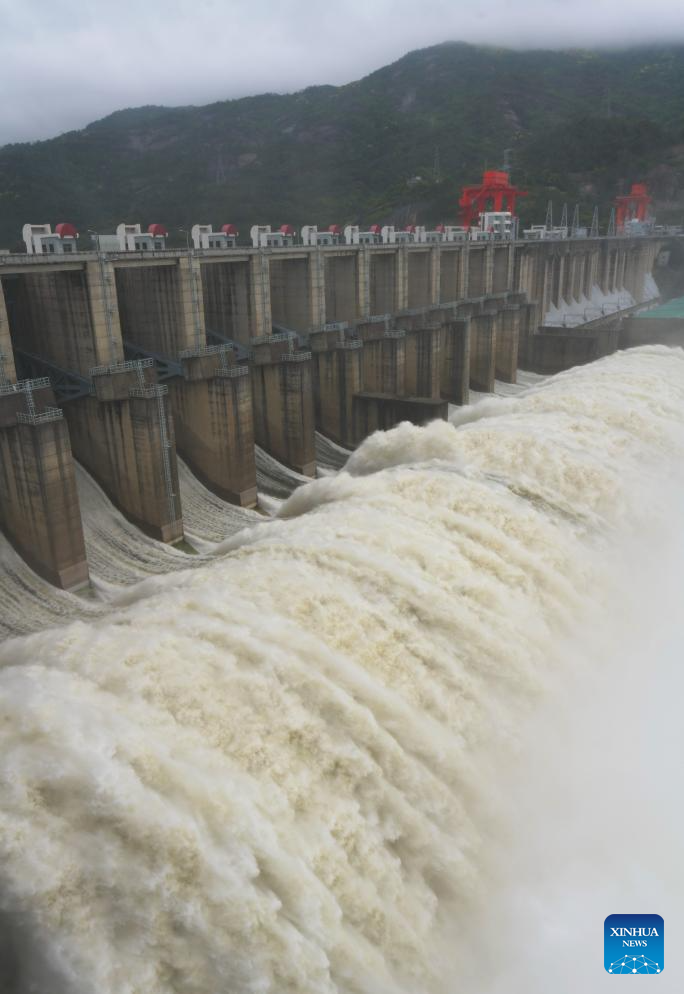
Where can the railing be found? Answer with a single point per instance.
(23, 385)
(46, 415)
(122, 367)
(205, 350)
(147, 392)
(232, 372)
(295, 356)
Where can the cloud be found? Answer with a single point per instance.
(64, 63)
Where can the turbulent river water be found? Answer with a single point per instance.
(297, 767)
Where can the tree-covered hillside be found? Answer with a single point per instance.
(395, 146)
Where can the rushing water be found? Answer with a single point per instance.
(28, 603)
(272, 773)
(207, 519)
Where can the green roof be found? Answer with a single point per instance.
(672, 309)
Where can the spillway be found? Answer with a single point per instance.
(119, 553)
(273, 478)
(262, 775)
(208, 519)
(329, 455)
(28, 603)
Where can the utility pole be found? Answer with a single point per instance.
(575, 221)
(595, 224)
(611, 224)
(549, 216)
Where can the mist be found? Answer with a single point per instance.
(584, 820)
(67, 64)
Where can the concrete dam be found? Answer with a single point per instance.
(171, 374)
(280, 771)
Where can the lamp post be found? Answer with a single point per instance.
(96, 236)
(185, 232)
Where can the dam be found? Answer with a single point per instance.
(270, 772)
(253, 750)
(170, 376)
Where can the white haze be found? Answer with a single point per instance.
(65, 63)
(382, 741)
(586, 819)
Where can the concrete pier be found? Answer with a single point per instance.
(401, 379)
(455, 368)
(507, 341)
(338, 377)
(124, 436)
(384, 364)
(423, 362)
(214, 421)
(282, 392)
(483, 351)
(39, 508)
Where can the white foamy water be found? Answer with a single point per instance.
(207, 519)
(118, 552)
(273, 773)
(273, 478)
(28, 603)
(329, 455)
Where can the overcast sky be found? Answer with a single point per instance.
(64, 63)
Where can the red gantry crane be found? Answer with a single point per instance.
(495, 193)
(634, 206)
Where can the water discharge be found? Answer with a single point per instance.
(281, 771)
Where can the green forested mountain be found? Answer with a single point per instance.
(394, 146)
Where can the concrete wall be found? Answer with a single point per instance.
(214, 424)
(479, 270)
(556, 271)
(483, 351)
(384, 364)
(161, 307)
(129, 447)
(419, 289)
(452, 274)
(553, 350)
(338, 377)
(455, 368)
(377, 412)
(284, 424)
(39, 508)
(341, 288)
(7, 368)
(61, 317)
(383, 282)
(423, 362)
(642, 330)
(291, 292)
(229, 300)
(507, 342)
